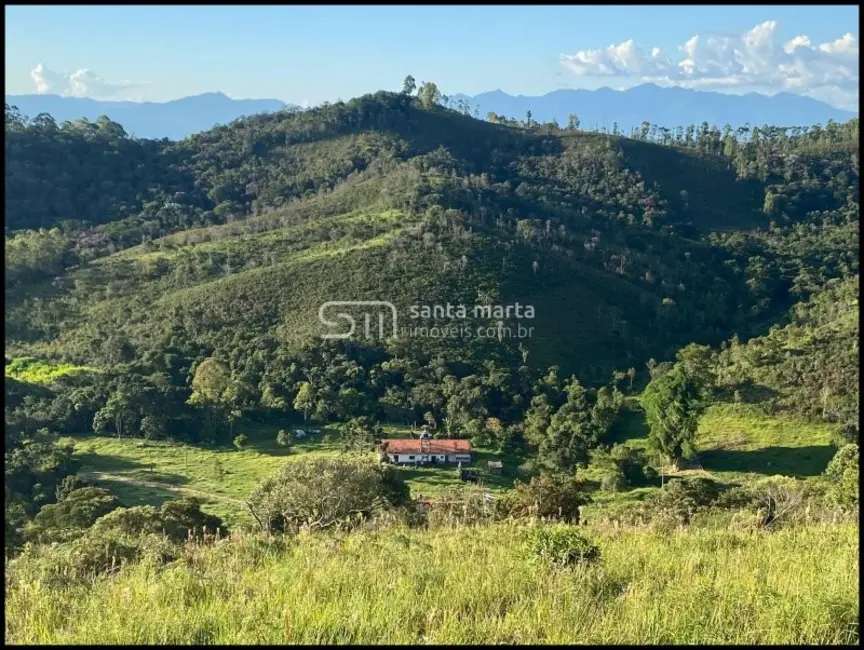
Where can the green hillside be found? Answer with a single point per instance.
(677, 413)
(380, 198)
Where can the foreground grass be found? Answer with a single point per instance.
(464, 585)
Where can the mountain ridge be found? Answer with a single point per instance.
(175, 119)
(601, 107)
(605, 106)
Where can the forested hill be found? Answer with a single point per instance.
(155, 255)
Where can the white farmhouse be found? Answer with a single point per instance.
(428, 452)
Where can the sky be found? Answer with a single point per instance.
(306, 55)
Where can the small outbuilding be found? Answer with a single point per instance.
(495, 466)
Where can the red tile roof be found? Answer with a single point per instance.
(410, 446)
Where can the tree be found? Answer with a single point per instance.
(409, 85)
(672, 406)
(151, 427)
(359, 434)
(631, 375)
(643, 131)
(528, 121)
(573, 430)
(305, 399)
(572, 122)
(210, 389)
(429, 94)
(697, 363)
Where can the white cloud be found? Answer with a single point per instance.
(799, 41)
(81, 83)
(751, 60)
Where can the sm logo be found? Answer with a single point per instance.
(374, 314)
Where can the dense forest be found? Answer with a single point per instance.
(170, 290)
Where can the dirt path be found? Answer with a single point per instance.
(96, 476)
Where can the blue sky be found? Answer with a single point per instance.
(311, 54)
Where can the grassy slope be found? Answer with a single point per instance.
(735, 444)
(150, 473)
(466, 585)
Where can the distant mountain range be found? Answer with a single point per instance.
(174, 120)
(667, 107)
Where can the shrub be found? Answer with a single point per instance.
(182, 517)
(139, 520)
(613, 481)
(177, 519)
(69, 518)
(326, 492)
(283, 438)
(779, 499)
(841, 477)
(704, 491)
(68, 484)
(559, 547)
(241, 440)
(557, 496)
(96, 552)
(678, 500)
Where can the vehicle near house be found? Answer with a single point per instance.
(427, 452)
(468, 477)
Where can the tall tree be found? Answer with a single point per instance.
(429, 94)
(672, 405)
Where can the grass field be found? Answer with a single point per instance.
(736, 443)
(463, 585)
(737, 440)
(140, 472)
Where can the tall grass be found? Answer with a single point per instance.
(462, 585)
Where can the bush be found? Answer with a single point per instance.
(69, 518)
(94, 553)
(559, 547)
(283, 438)
(139, 520)
(676, 503)
(68, 484)
(779, 499)
(177, 519)
(614, 481)
(704, 491)
(241, 440)
(841, 477)
(183, 517)
(556, 496)
(326, 492)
